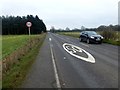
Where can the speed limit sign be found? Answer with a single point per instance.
(28, 24)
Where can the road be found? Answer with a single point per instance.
(94, 66)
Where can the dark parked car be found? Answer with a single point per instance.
(90, 36)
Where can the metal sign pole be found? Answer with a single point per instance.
(29, 24)
(29, 38)
(29, 31)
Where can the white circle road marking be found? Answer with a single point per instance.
(75, 49)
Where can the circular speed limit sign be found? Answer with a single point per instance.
(28, 24)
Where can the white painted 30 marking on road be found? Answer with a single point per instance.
(72, 50)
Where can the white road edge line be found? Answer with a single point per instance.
(55, 68)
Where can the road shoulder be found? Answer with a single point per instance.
(41, 74)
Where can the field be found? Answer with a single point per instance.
(10, 43)
(115, 41)
(17, 72)
(73, 34)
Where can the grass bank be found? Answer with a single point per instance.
(14, 77)
(10, 43)
(109, 41)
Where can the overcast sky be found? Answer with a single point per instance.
(65, 13)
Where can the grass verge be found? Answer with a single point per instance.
(113, 42)
(16, 75)
(13, 42)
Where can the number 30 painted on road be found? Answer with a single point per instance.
(72, 49)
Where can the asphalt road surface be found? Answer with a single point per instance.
(64, 62)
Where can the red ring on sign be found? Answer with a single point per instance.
(28, 24)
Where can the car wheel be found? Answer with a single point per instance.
(88, 41)
(80, 39)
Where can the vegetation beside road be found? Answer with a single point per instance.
(18, 49)
(111, 37)
(73, 34)
(17, 73)
(10, 43)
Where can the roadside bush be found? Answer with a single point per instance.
(109, 34)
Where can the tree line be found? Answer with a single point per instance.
(12, 25)
(100, 28)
